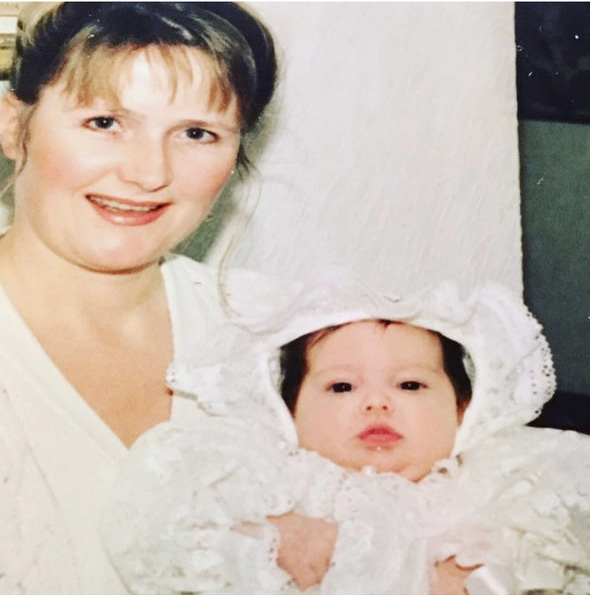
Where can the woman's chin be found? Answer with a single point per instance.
(119, 261)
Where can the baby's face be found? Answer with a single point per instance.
(378, 395)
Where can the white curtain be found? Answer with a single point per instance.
(393, 149)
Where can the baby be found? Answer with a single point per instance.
(394, 395)
(404, 425)
(376, 393)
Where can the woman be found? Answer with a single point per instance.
(124, 122)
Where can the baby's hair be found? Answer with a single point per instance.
(294, 365)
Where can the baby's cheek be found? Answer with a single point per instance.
(307, 433)
(438, 442)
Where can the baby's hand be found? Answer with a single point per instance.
(306, 547)
(449, 578)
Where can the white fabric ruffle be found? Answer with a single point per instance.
(193, 507)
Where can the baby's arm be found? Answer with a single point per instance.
(306, 547)
(449, 578)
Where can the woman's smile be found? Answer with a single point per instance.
(127, 212)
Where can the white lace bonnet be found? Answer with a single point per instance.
(507, 356)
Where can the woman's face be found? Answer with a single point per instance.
(112, 185)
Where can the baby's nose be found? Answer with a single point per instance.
(377, 402)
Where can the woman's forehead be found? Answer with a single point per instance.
(105, 72)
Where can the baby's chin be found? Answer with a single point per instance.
(410, 472)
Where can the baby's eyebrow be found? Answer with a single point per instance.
(419, 367)
(332, 369)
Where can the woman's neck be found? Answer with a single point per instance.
(109, 334)
(35, 277)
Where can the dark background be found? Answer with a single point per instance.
(553, 86)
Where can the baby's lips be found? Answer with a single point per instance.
(379, 435)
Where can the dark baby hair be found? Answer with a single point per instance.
(293, 364)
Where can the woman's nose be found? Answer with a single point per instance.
(146, 164)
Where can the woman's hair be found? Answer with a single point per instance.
(84, 43)
(294, 365)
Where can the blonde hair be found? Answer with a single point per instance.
(86, 45)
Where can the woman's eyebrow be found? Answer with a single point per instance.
(209, 123)
(189, 122)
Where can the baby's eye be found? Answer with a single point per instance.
(102, 122)
(200, 134)
(411, 385)
(340, 387)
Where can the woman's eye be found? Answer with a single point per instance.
(102, 123)
(200, 134)
(411, 385)
(340, 387)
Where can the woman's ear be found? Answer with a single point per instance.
(10, 108)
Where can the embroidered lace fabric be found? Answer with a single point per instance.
(190, 511)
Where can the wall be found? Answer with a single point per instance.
(394, 149)
(556, 220)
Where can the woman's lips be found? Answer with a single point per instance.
(126, 212)
(379, 436)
